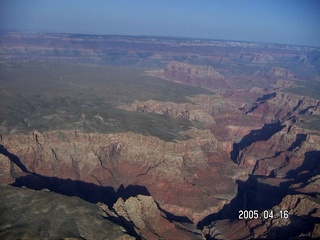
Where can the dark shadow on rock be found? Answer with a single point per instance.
(300, 138)
(251, 195)
(129, 226)
(181, 222)
(263, 134)
(309, 168)
(255, 195)
(87, 191)
(298, 225)
(266, 97)
(261, 100)
(131, 191)
(311, 165)
(13, 158)
(305, 111)
(174, 218)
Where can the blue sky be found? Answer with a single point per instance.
(279, 21)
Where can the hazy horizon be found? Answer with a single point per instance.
(293, 22)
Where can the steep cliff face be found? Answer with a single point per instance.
(282, 84)
(185, 111)
(204, 76)
(153, 187)
(282, 105)
(201, 110)
(143, 215)
(285, 150)
(287, 139)
(6, 170)
(179, 176)
(302, 221)
(280, 72)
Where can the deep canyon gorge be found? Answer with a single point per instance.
(119, 137)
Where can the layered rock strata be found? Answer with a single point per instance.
(182, 177)
(203, 76)
(143, 215)
(201, 110)
(302, 221)
(282, 106)
(269, 158)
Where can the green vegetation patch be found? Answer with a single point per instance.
(57, 96)
(310, 122)
(306, 88)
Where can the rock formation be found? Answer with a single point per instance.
(164, 160)
(267, 157)
(201, 110)
(280, 72)
(282, 105)
(302, 221)
(281, 84)
(164, 168)
(148, 221)
(5, 170)
(203, 76)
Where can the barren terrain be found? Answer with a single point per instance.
(157, 138)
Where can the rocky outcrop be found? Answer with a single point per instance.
(280, 84)
(29, 214)
(312, 185)
(185, 111)
(160, 189)
(244, 98)
(179, 176)
(148, 221)
(269, 158)
(282, 106)
(302, 221)
(201, 110)
(10, 169)
(280, 72)
(5, 170)
(203, 76)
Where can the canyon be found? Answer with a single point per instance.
(158, 138)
